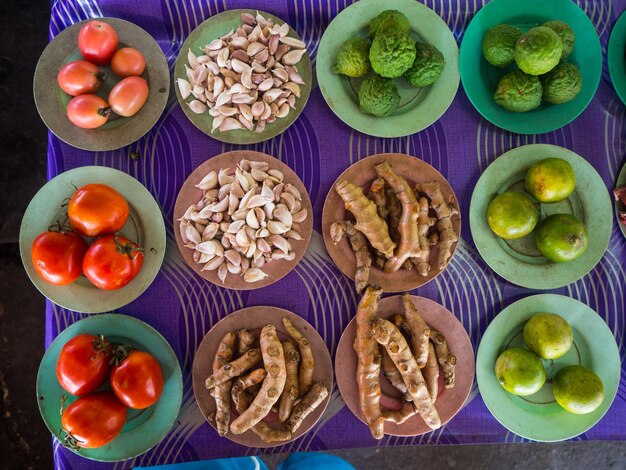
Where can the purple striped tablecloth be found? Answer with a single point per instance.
(183, 307)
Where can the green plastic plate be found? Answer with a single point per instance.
(145, 226)
(419, 107)
(539, 417)
(481, 79)
(144, 428)
(615, 56)
(621, 181)
(519, 261)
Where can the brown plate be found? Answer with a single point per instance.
(118, 132)
(189, 194)
(362, 173)
(448, 403)
(253, 319)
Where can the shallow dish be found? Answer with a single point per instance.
(615, 57)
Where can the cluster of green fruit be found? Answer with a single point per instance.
(576, 388)
(513, 214)
(539, 54)
(392, 54)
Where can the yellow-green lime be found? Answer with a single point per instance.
(548, 335)
(512, 215)
(577, 389)
(561, 237)
(550, 180)
(520, 372)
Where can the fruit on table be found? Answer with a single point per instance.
(538, 50)
(93, 420)
(128, 96)
(578, 389)
(353, 58)
(550, 180)
(499, 44)
(378, 96)
(127, 62)
(88, 111)
(518, 92)
(565, 33)
(562, 83)
(97, 209)
(58, 256)
(548, 335)
(388, 19)
(80, 77)
(137, 378)
(97, 42)
(520, 372)
(512, 215)
(392, 53)
(561, 237)
(427, 67)
(83, 364)
(112, 261)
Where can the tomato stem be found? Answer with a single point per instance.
(126, 248)
(104, 112)
(119, 353)
(59, 227)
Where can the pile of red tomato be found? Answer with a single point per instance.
(85, 364)
(60, 256)
(98, 42)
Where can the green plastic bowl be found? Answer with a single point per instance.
(616, 58)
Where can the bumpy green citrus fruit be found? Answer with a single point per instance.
(512, 215)
(577, 389)
(565, 33)
(518, 92)
(550, 180)
(561, 237)
(538, 50)
(562, 83)
(378, 96)
(499, 44)
(428, 65)
(520, 372)
(548, 335)
(392, 53)
(353, 58)
(389, 19)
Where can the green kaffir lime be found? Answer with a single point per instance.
(538, 50)
(392, 53)
(565, 33)
(353, 58)
(562, 83)
(518, 92)
(499, 44)
(428, 65)
(378, 96)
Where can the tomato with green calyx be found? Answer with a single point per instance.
(58, 256)
(83, 364)
(137, 379)
(112, 261)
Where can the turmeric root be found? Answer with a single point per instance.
(408, 246)
(419, 330)
(307, 364)
(388, 335)
(447, 235)
(407, 411)
(393, 218)
(245, 339)
(368, 361)
(252, 378)
(290, 393)
(316, 395)
(445, 358)
(391, 371)
(431, 373)
(378, 196)
(359, 246)
(221, 393)
(367, 219)
(424, 222)
(234, 368)
(273, 384)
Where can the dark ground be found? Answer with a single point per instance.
(24, 440)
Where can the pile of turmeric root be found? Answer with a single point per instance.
(393, 225)
(267, 377)
(409, 353)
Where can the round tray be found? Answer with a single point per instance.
(362, 173)
(419, 107)
(144, 225)
(118, 132)
(144, 428)
(253, 319)
(615, 57)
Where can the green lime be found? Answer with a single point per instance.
(561, 237)
(548, 335)
(520, 372)
(578, 390)
(512, 215)
(550, 180)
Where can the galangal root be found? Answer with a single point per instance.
(291, 391)
(419, 331)
(307, 363)
(359, 246)
(221, 392)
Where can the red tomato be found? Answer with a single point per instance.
(97, 209)
(128, 96)
(127, 62)
(97, 42)
(112, 261)
(58, 257)
(83, 364)
(88, 111)
(138, 381)
(80, 77)
(94, 420)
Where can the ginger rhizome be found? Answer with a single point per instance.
(221, 393)
(359, 246)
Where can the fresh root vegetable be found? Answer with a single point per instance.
(420, 331)
(424, 222)
(368, 362)
(408, 246)
(359, 246)
(307, 363)
(444, 211)
(391, 372)
(389, 336)
(316, 395)
(221, 392)
(446, 359)
(407, 411)
(245, 340)
(379, 197)
(273, 384)
(290, 392)
(431, 373)
(366, 215)
(250, 379)
(393, 218)
(234, 368)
